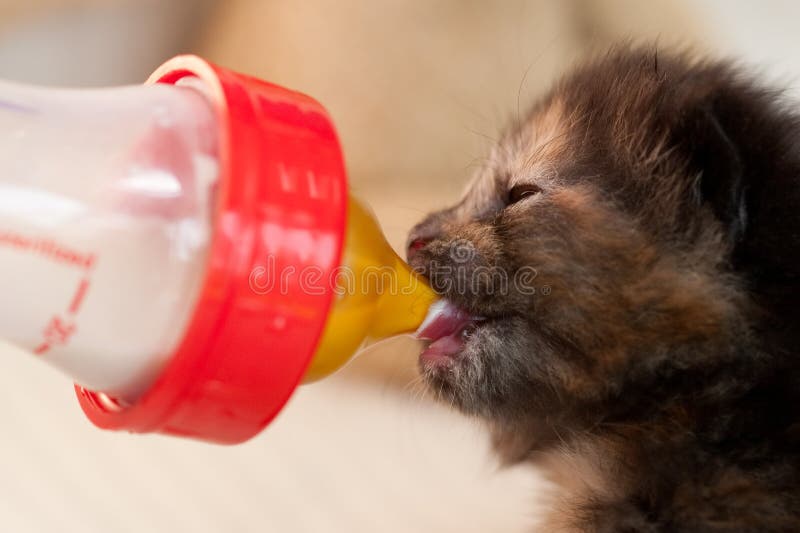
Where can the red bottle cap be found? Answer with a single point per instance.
(281, 206)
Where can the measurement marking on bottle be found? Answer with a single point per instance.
(57, 332)
(80, 295)
(62, 326)
(47, 248)
(59, 329)
(41, 349)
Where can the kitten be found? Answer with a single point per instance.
(649, 355)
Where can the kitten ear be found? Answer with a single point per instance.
(718, 160)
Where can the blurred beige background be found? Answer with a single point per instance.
(418, 90)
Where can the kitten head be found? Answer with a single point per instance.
(614, 248)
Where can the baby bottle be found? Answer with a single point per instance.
(187, 250)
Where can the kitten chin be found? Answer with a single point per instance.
(621, 283)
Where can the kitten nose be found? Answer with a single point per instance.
(415, 246)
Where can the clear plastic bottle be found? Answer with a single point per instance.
(106, 198)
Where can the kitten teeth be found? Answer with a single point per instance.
(468, 331)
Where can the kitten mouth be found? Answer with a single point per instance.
(448, 328)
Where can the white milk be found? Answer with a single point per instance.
(106, 200)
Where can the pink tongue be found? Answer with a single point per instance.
(444, 320)
(449, 345)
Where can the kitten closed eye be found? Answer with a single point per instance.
(522, 191)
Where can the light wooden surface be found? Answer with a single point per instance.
(346, 455)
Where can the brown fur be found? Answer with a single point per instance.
(654, 368)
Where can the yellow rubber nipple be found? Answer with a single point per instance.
(378, 295)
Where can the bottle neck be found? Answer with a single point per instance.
(377, 295)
